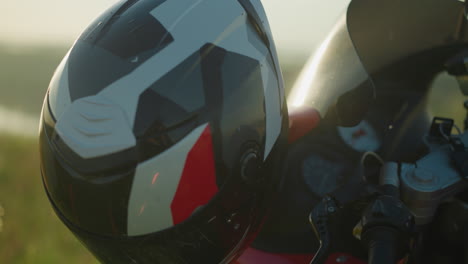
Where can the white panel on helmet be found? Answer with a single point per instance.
(278, 72)
(59, 93)
(261, 13)
(257, 4)
(272, 107)
(235, 39)
(170, 13)
(154, 187)
(199, 15)
(94, 126)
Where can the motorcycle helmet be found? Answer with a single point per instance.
(162, 130)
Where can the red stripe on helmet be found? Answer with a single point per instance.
(198, 181)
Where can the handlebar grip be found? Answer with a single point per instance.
(387, 228)
(382, 243)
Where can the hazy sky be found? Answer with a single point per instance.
(296, 24)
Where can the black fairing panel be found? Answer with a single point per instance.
(384, 32)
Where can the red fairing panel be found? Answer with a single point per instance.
(254, 256)
(198, 181)
(301, 122)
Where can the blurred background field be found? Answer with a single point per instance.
(30, 232)
(24, 74)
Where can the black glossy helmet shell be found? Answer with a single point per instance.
(162, 131)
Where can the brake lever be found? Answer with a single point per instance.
(319, 219)
(333, 238)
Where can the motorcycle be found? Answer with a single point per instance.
(376, 169)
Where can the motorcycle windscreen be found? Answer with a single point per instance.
(334, 81)
(386, 31)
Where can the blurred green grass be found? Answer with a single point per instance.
(25, 72)
(31, 233)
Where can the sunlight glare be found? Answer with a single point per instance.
(307, 76)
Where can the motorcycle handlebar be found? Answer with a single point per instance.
(382, 244)
(387, 225)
